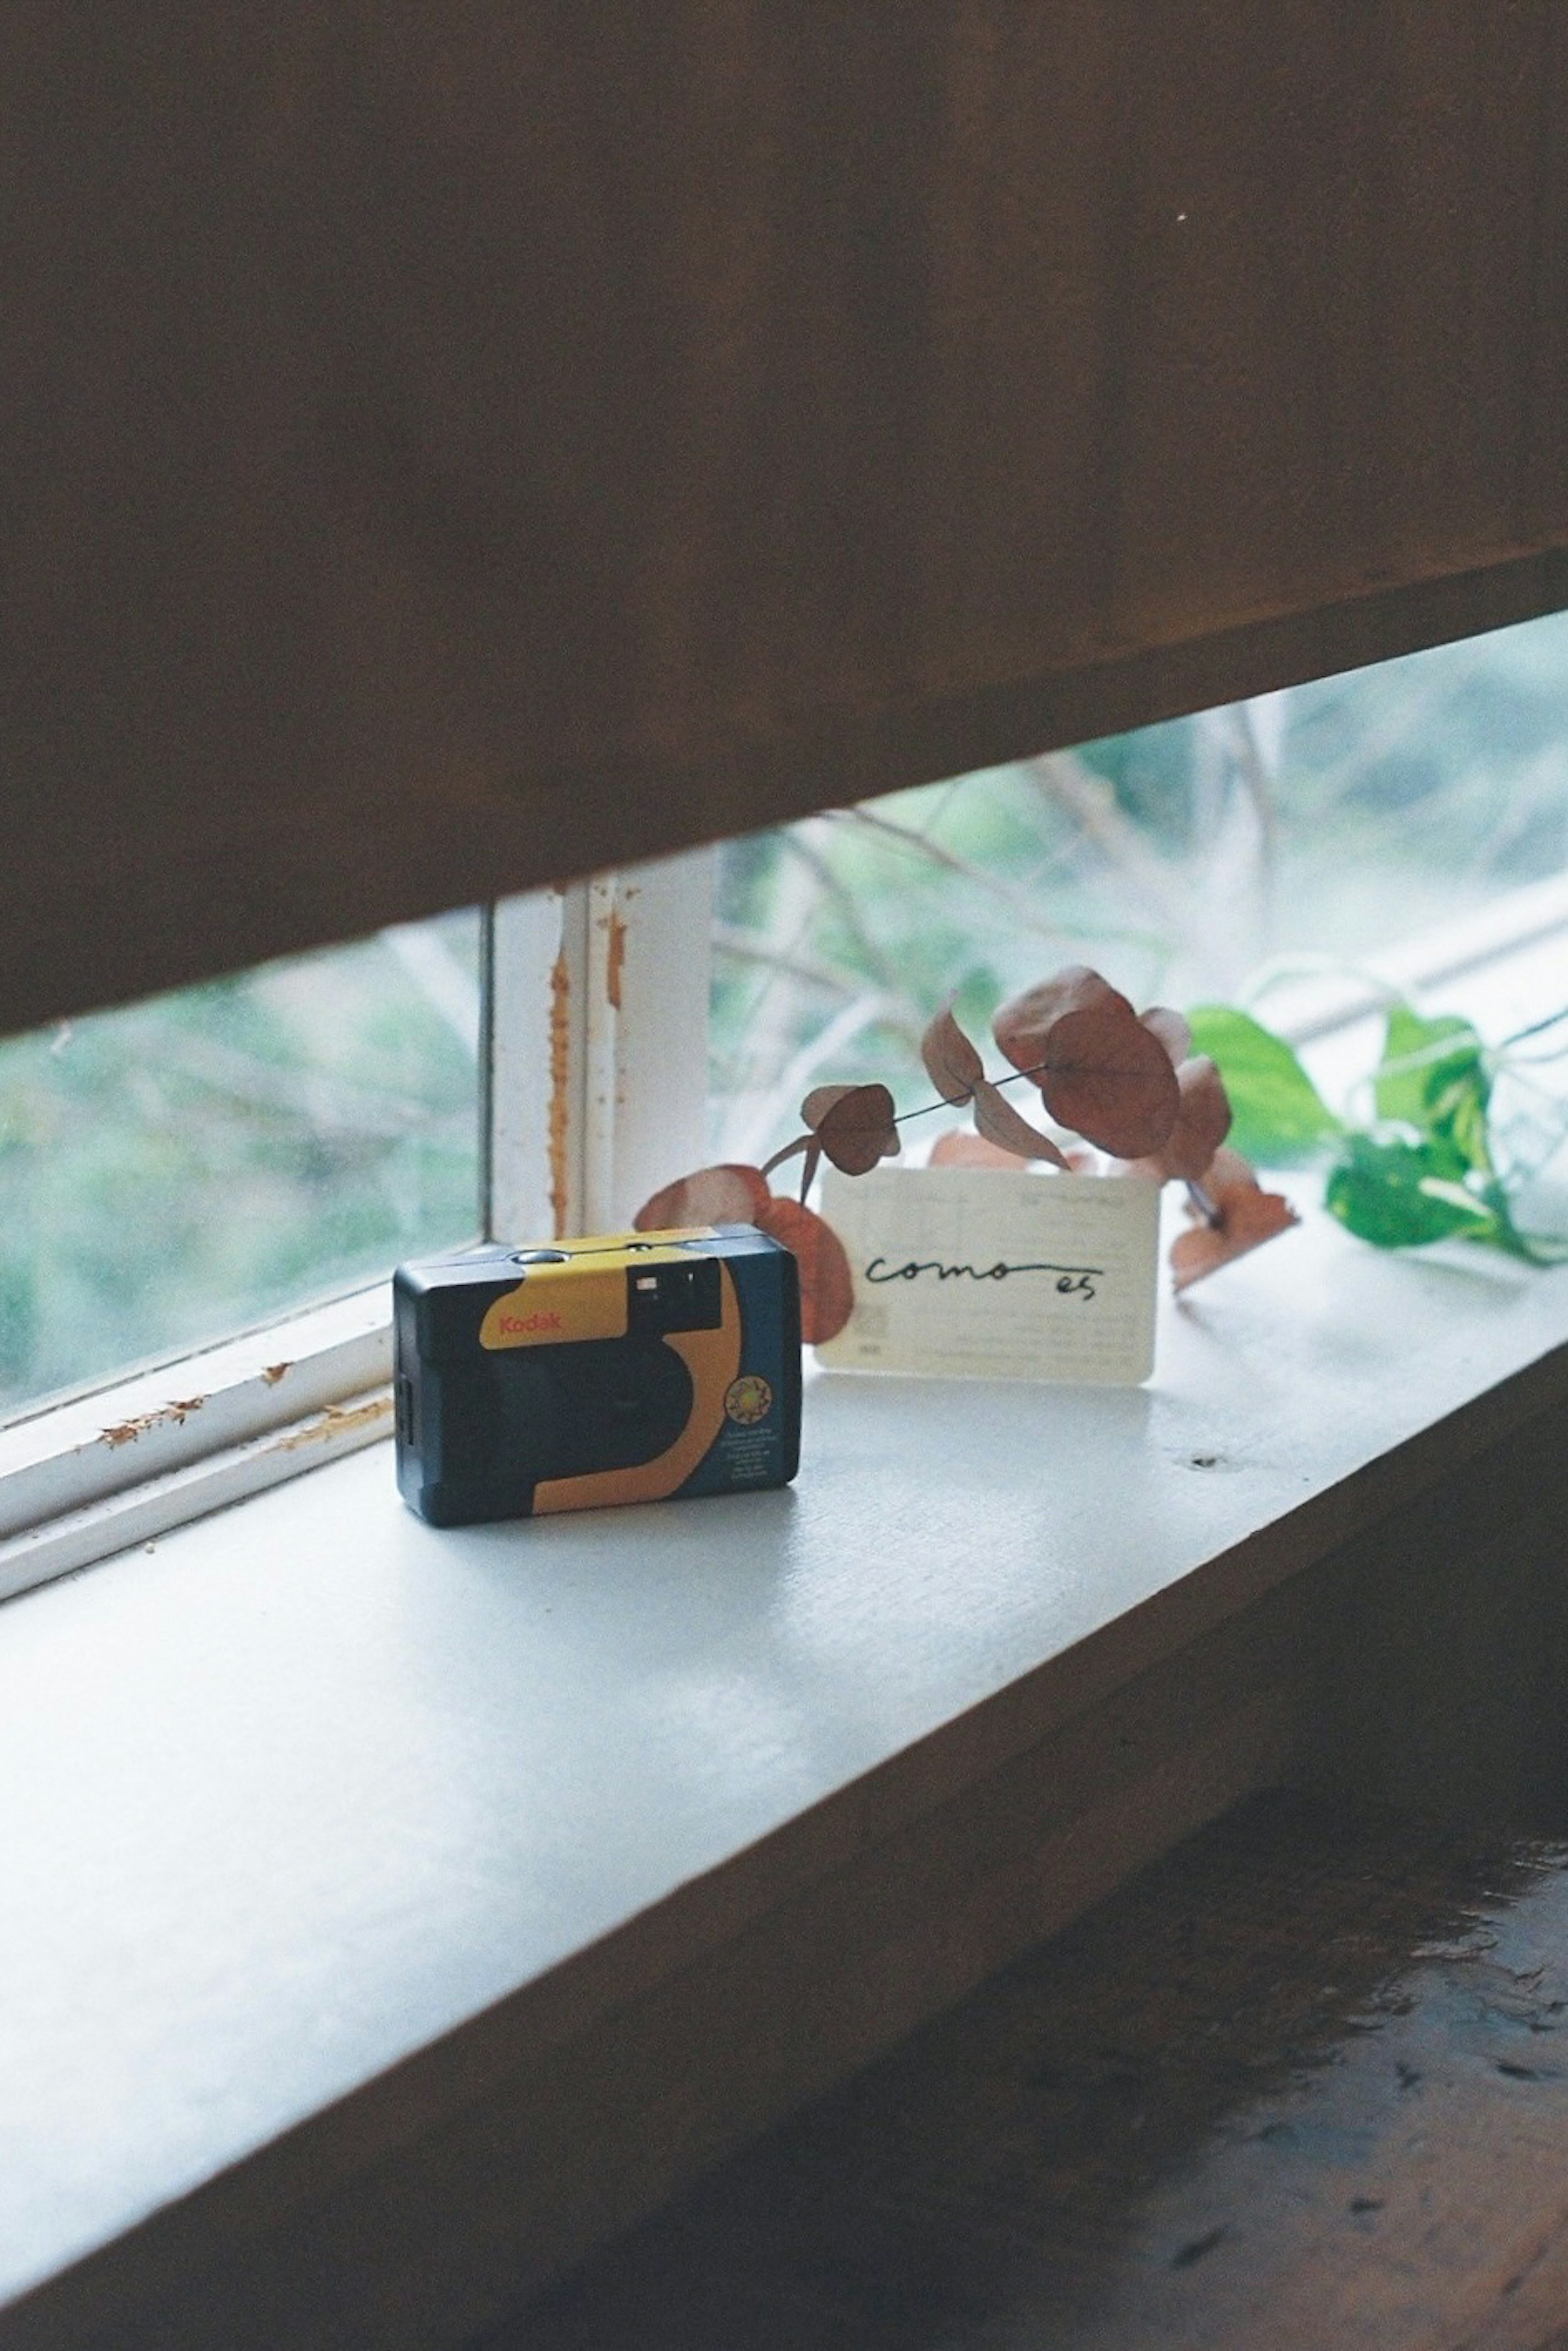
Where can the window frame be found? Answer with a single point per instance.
(124, 1463)
(592, 1003)
(601, 979)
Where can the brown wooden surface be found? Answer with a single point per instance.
(447, 448)
(1302, 2085)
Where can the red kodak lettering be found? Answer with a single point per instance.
(514, 1325)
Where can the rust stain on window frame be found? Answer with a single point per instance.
(336, 1420)
(560, 1088)
(126, 1432)
(615, 957)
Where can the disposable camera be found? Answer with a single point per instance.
(626, 1368)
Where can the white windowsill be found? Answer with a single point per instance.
(302, 1788)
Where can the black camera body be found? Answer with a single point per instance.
(630, 1367)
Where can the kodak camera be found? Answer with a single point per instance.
(622, 1369)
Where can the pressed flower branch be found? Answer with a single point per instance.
(1126, 1082)
(1190, 1100)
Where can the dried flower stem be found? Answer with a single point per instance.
(1203, 1200)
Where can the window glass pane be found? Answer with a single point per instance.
(177, 1169)
(1333, 820)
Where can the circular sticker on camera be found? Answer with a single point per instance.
(748, 1399)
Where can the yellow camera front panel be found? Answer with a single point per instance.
(561, 1298)
(713, 1358)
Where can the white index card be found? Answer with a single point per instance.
(1001, 1276)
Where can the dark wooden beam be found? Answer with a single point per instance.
(446, 449)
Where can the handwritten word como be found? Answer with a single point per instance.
(1072, 1281)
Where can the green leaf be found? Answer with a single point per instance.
(1419, 1062)
(1439, 1087)
(1401, 1195)
(1281, 1119)
(1535, 1249)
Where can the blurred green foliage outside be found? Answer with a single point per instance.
(1333, 818)
(176, 1170)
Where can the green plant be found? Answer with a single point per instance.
(1425, 1165)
